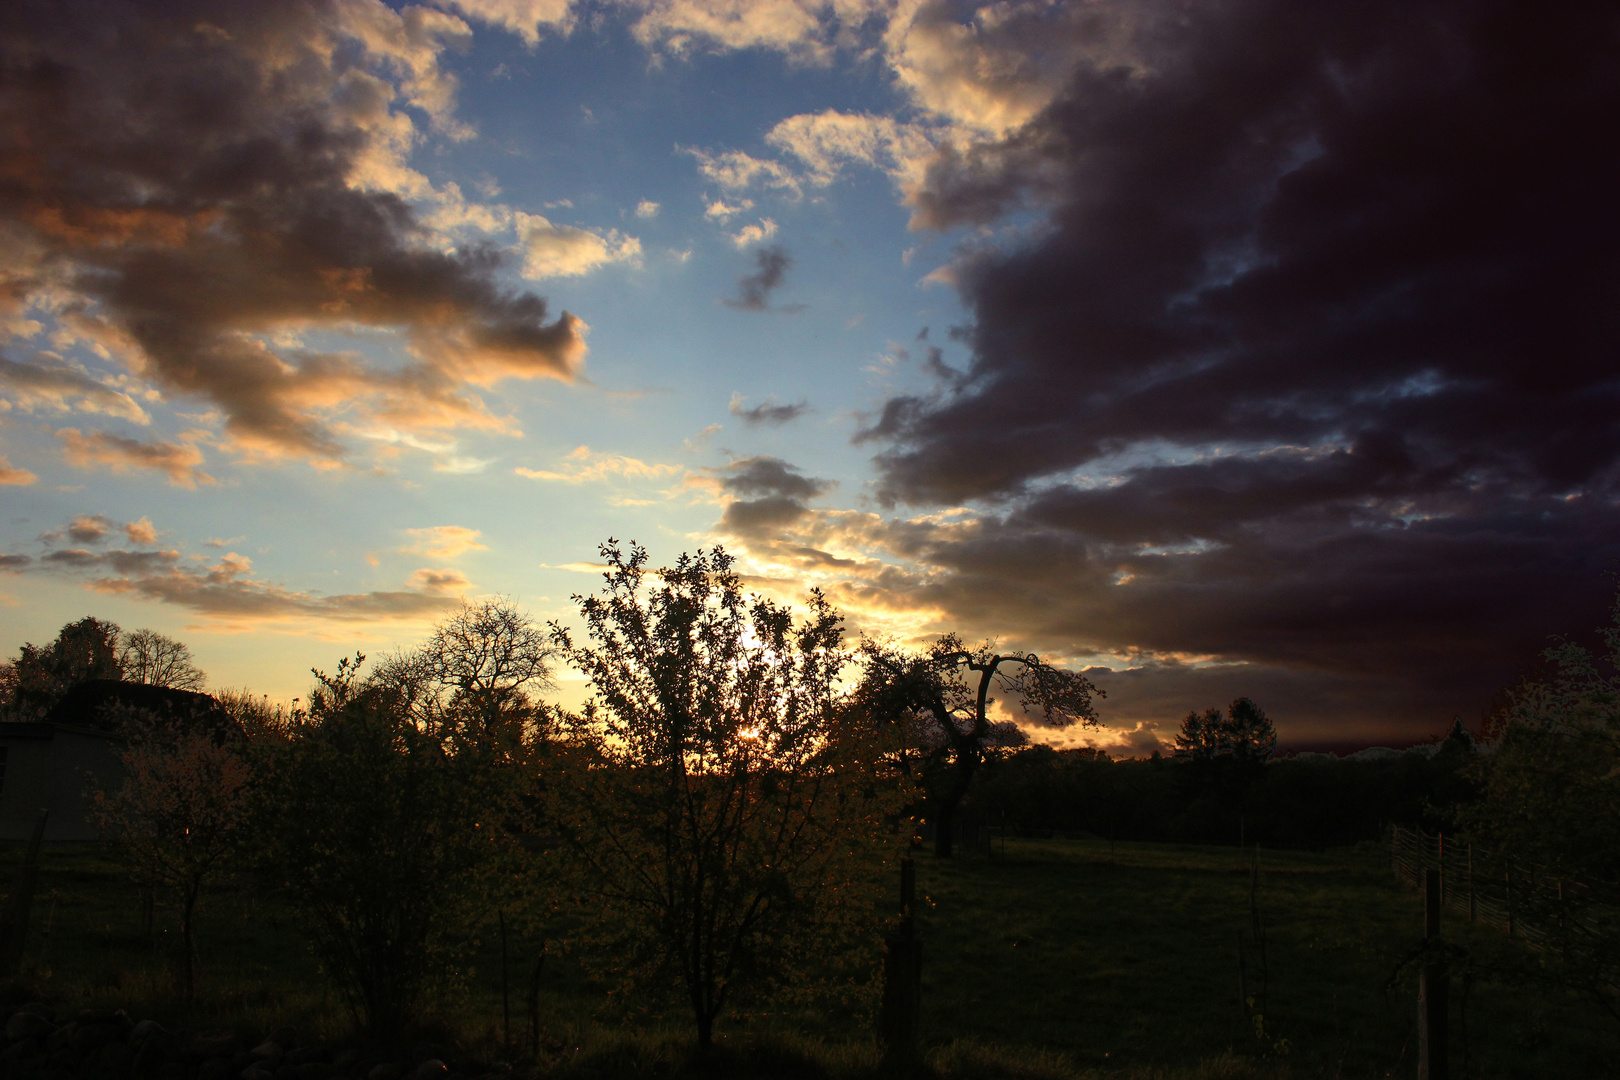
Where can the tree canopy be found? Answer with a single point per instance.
(721, 807)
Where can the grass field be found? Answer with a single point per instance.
(1060, 958)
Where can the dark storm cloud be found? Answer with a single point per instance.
(770, 271)
(1316, 365)
(768, 494)
(205, 176)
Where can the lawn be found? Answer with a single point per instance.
(1058, 957)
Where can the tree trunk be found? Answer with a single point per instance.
(186, 943)
(534, 1003)
(944, 827)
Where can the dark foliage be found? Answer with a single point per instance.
(1313, 801)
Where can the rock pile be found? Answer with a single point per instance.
(97, 1044)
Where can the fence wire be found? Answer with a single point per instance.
(1520, 900)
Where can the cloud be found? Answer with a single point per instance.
(754, 290)
(764, 495)
(565, 251)
(753, 234)
(1307, 370)
(582, 465)
(528, 19)
(227, 591)
(994, 71)
(89, 528)
(767, 411)
(12, 564)
(720, 210)
(826, 143)
(804, 29)
(734, 169)
(440, 582)
(56, 386)
(10, 474)
(646, 209)
(100, 449)
(141, 532)
(240, 180)
(444, 541)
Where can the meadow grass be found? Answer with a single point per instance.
(1061, 958)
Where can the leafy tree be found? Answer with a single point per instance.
(146, 656)
(178, 818)
(1243, 733)
(41, 674)
(941, 698)
(476, 673)
(375, 835)
(1227, 753)
(722, 806)
(1549, 801)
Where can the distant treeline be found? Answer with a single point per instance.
(1312, 801)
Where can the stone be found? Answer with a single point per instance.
(147, 1029)
(431, 1069)
(269, 1055)
(306, 1054)
(62, 1037)
(218, 1068)
(115, 1058)
(257, 1072)
(283, 1037)
(388, 1071)
(22, 1050)
(27, 1025)
(92, 1035)
(214, 1044)
(314, 1070)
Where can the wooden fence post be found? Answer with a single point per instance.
(1440, 863)
(506, 997)
(1507, 897)
(1432, 996)
(1471, 910)
(902, 981)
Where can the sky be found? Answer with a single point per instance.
(1218, 349)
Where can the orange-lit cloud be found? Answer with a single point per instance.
(444, 541)
(195, 246)
(583, 465)
(10, 474)
(100, 449)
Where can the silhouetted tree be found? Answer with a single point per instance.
(1550, 800)
(475, 674)
(1201, 736)
(178, 818)
(146, 656)
(41, 674)
(375, 836)
(721, 810)
(941, 698)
